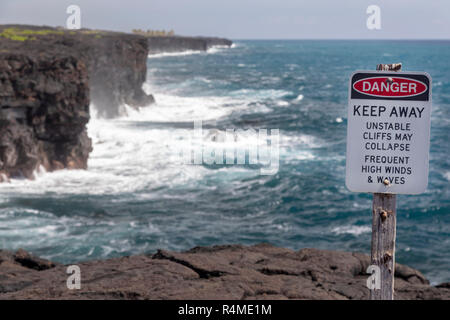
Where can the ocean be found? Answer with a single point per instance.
(137, 196)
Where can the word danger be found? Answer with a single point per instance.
(379, 111)
(395, 87)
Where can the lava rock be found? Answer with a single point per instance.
(43, 113)
(116, 62)
(219, 272)
(48, 78)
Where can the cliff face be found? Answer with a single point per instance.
(117, 66)
(116, 62)
(48, 78)
(220, 272)
(177, 44)
(44, 107)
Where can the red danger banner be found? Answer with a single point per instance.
(396, 87)
(389, 86)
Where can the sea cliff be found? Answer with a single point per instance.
(44, 109)
(48, 78)
(232, 272)
(116, 62)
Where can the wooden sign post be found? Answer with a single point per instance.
(384, 221)
(383, 243)
(388, 139)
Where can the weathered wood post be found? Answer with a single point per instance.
(384, 221)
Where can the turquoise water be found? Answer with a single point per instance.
(136, 197)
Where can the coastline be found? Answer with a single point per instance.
(412, 285)
(50, 76)
(227, 272)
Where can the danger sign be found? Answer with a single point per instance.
(388, 132)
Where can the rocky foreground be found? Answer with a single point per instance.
(220, 272)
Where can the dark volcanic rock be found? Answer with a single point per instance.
(219, 272)
(117, 65)
(116, 62)
(178, 43)
(44, 109)
(48, 77)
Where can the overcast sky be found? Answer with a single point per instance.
(245, 19)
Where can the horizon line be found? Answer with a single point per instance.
(246, 38)
(340, 39)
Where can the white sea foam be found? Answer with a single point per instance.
(128, 157)
(298, 147)
(174, 54)
(211, 50)
(258, 95)
(296, 155)
(447, 175)
(350, 229)
(124, 159)
(218, 48)
(282, 103)
(302, 140)
(171, 108)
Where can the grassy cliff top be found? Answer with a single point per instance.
(24, 33)
(18, 34)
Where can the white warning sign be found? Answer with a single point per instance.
(388, 132)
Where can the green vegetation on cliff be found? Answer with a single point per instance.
(17, 34)
(154, 33)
